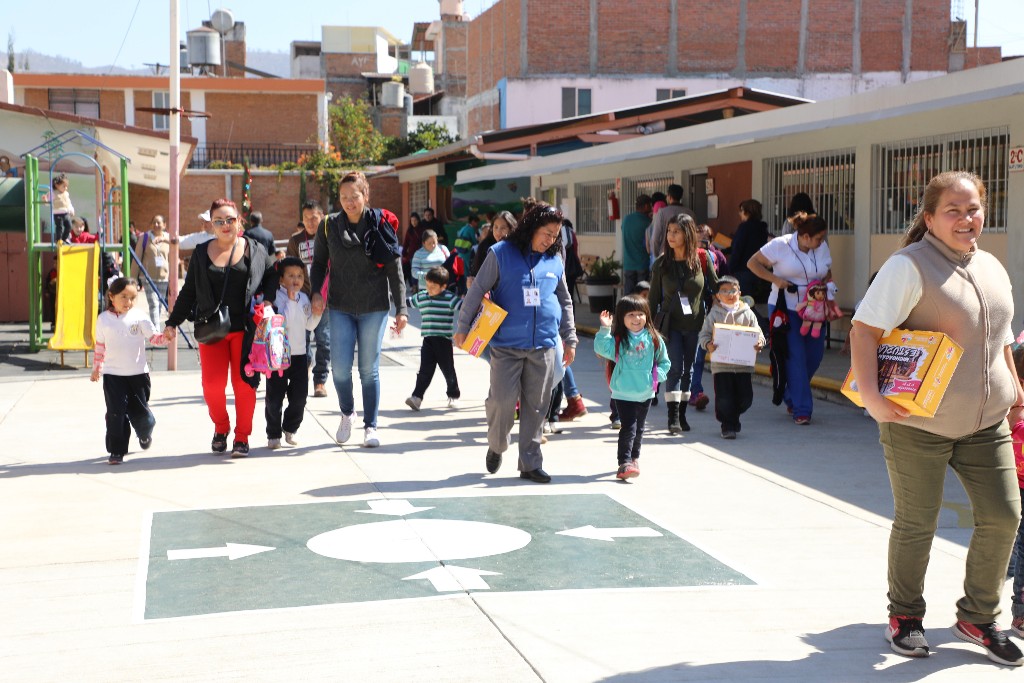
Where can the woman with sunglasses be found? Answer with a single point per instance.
(241, 269)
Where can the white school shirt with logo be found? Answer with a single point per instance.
(800, 268)
(125, 339)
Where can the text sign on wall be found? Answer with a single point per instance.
(1016, 159)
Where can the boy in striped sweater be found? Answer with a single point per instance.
(439, 307)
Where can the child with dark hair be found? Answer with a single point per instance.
(641, 361)
(299, 319)
(439, 307)
(120, 358)
(63, 209)
(733, 391)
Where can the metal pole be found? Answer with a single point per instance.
(172, 188)
(976, 2)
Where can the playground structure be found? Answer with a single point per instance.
(78, 290)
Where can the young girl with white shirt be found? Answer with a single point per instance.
(299, 318)
(796, 260)
(120, 358)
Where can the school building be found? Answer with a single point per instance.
(864, 160)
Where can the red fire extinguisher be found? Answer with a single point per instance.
(613, 206)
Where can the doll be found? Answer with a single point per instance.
(812, 310)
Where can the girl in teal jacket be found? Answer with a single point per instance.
(640, 358)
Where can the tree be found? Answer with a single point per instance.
(352, 133)
(10, 51)
(427, 136)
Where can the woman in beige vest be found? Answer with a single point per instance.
(941, 281)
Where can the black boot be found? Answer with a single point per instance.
(683, 425)
(673, 417)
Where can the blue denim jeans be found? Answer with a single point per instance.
(1017, 563)
(696, 383)
(367, 332)
(805, 354)
(322, 336)
(682, 350)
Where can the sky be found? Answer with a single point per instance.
(104, 32)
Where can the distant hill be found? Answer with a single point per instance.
(263, 60)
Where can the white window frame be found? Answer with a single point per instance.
(161, 100)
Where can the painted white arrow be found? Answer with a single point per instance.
(398, 508)
(451, 578)
(609, 533)
(232, 551)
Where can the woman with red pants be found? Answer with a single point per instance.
(241, 269)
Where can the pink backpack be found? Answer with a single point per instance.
(270, 351)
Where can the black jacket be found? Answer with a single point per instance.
(748, 239)
(198, 300)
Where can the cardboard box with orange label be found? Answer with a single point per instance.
(485, 324)
(914, 369)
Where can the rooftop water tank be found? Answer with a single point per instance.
(392, 94)
(421, 79)
(203, 47)
(453, 7)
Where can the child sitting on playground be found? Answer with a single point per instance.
(299, 318)
(63, 210)
(120, 357)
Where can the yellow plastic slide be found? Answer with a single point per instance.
(78, 271)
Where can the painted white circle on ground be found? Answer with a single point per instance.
(418, 540)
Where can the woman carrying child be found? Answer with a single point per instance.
(641, 361)
(299, 319)
(120, 358)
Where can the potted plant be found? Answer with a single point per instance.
(601, 278)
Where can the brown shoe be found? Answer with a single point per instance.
(574, 409)
(320, 391)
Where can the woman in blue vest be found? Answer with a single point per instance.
(525, 276)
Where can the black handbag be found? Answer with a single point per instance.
(214, 327)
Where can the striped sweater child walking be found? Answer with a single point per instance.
(439, 308)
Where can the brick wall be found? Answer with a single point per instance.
(982, 56)
(881, 34)
(709, 33)
(930, 26)
(773, 36)
(830, 36)
(621, 48)
(455, 37)
(558, 36)
(278, 197)
(493, 39)
(234, 51)
(261, 117)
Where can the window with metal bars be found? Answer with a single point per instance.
(828, 178)
(592, 208)
(419, 197)
(75, 101)
(637, 185)
(554, 195)
(902, 171)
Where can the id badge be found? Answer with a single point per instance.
(159, 262)
(531, 296)
(685, 303)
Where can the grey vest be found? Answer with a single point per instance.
(967, 297)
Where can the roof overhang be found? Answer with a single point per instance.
(965, 87)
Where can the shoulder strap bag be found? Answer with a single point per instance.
(214, 327)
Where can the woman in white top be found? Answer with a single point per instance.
(796, 260)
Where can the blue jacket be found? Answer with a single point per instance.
(527, 327)
(637, 367)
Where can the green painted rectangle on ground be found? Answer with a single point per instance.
(225, 560)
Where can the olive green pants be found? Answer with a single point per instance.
(983, 461)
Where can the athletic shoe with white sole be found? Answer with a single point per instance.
(370, 439)
(344, 432)
(906, 637)
(998, 647)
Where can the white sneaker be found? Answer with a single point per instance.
(546, 429)
(273, 444)
(344, 432)
(414, 402)
(453, 404)
(553, 427)
(290, 438)
(370, 439)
